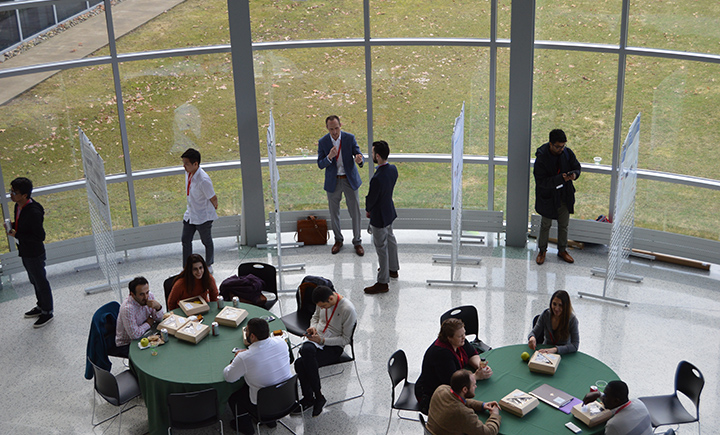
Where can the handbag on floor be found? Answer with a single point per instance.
(312, 231)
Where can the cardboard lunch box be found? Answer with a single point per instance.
(518, 403)
(231, 316)
(172, 323)
(192, 332)
(194, 305)
(593, 414)
(544, 363)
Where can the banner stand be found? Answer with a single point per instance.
(100, 219)
(274, 178)
(623, 224)
(456, 211)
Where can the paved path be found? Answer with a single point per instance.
(78, 42)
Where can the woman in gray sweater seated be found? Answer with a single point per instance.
(556, 326)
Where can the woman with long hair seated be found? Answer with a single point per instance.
(194, 280)
(557, 326)
(448, 354)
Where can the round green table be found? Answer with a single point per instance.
(180, 366)
(576, 373)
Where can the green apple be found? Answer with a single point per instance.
(144, 342)
(525, 356)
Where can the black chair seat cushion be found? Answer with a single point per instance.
(407, 400)
(666, 410)
(128, 386)
(297, 323)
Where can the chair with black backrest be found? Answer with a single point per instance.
(193, 410)
(406, 401)
(117, 390)
(268, 274)
(469, 315)
(277, 401)
(101, 340)
(669, 409)
(298, 322)
(426, 431)
(167, 286)
(345, 358)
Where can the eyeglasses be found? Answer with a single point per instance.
(11, 192)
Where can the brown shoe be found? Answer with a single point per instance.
(377, 288)
(359, 250)
(336, 247)
(393, 273)
(565, 256)
(541, 257)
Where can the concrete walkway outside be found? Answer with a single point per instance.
(78, 42)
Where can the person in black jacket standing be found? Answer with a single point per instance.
(379, 207)
(29, 234)
(555, 169)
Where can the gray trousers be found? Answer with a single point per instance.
(205, 230)
(563, 220)
(353, 204)
(386, 248)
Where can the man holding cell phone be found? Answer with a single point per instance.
(330, 330)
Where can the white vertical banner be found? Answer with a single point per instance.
(624, 217)
(456, 187)
(274, 177)
(100, 219)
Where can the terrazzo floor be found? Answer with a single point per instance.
(674, 315)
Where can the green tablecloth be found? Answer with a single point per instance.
(576, 373)
(181, 367)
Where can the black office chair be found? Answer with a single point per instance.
(277, 401)
(167, 286)
(668, 409)
(193, 410)
(426, 431)
(116, 390)
(298, 322)
(345, 358)
(398, 370)
(469, 315)
(268, 274)
(101, 340)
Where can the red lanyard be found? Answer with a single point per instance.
(327, 321)
(17, 215)
(189, 181)
(623, 407)
(458, 396)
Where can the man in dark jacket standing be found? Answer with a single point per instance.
(379, 207)
(555, 169)
(29, 234)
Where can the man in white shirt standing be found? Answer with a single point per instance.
(137, 315)
(265, 362)
(202, 204)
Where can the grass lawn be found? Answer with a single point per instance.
(171, 104)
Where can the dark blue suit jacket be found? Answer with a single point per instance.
(348, 149)
(379, 200)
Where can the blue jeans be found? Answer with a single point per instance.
(35, 267)
(205, 230)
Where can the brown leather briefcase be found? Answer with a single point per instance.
(312, 231)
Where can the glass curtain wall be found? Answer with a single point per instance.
(419, 60)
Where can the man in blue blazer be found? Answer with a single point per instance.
(379, 207)
(337, 154)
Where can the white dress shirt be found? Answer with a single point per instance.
(199, 208)
(264, 363)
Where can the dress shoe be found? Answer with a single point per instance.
(393, 273)
(336, 247)
(318, 406)
(376, 288)
(540, 258)
(359, 250)
(565, 256)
